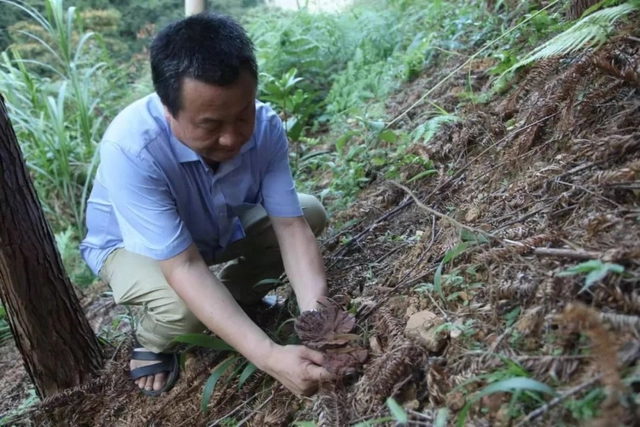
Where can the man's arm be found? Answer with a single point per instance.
(302, 260)
(296, 367)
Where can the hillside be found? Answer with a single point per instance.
(484, 234)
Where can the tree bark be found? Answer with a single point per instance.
(53, 335)
(192, 7)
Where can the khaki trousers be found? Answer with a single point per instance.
(137, 280)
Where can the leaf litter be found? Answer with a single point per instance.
(550, 168)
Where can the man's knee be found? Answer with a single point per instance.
(176, 317)
(314, 213)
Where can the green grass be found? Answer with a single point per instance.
(59, 116)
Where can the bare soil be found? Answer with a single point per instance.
(539, 180)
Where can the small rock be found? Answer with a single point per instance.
(472, 214)
(493, 402)
(455, 333)
(412, 405)
(486, 227)
(189, 361)
(530, 320)
(397, 304)
(455, 401)
(423, 327)
(374, 345)
(411, 310)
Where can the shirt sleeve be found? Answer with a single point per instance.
(279, 195)
(144, 208)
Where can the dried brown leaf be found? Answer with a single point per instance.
(605, 350)
(326, 327)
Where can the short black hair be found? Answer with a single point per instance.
(208, 47)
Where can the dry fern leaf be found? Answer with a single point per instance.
(526, 246)
(389, 326)
(616, 63)
(622, 322)
(578, 7)
(386, 372)
(333, 412)
(605, 351)
(324, 328)
(328, 329)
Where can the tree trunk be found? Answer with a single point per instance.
(192, 7)
(55, 339)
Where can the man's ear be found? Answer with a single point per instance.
(167, 114)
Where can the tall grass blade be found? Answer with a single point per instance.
(248, 371)
(213, 380)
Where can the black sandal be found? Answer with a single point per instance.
(168, 363)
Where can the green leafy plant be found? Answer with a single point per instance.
(426, 131)
(442, 418)
(512, 378)
(596, 270)
(9, 418)
(517, 386)
(235, 364)
(458, 250)
(398, 414)
(592, 30)
(294, 103)
(587, 406)
(59, 116)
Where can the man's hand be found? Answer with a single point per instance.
(298, 368)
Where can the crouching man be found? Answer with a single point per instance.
(197, 174)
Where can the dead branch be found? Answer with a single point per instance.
(367, 230)
(255, 411)
(446, 217)
(567, 253)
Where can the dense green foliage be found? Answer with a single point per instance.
(126, 24)
(328, 74)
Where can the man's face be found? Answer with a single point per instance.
(215, 121)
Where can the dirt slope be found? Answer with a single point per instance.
(540, 180)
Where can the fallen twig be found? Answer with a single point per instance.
(576, 170)
(255, 411)
(557, 400)
(567, 253)
(115, 353)
(424, 252)
(342, 232)
(447, 217)
(236, 409)
(521, 219)
(363, 233)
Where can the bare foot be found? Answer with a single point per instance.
(151, 382)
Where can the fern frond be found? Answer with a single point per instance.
(592, 30)
(428, 129)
